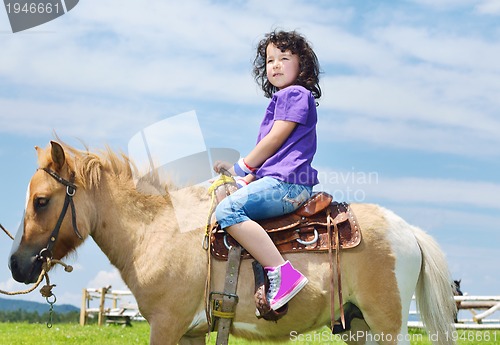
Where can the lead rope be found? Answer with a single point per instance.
(46, 290)
(7, 232)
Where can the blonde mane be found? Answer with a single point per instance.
(89, 168)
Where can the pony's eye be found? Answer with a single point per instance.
(40, 202)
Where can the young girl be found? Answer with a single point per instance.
(276, 176)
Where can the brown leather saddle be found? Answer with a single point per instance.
(319, 225)
(304, 230)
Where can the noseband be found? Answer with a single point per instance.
(68, 201)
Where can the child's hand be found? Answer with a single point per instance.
(244, 181)
(221, 165)
(249, 178)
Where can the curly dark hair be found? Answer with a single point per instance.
(296, 44)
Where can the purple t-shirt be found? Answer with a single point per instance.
(292, 162)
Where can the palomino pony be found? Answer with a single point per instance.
(166, 268)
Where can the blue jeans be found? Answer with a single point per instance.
(261, 199)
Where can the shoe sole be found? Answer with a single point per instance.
(291, 295)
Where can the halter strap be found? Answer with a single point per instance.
(62, 180)
(68, 201)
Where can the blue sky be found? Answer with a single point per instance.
(408, 118)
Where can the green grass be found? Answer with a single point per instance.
(68, 334)
(59, 334)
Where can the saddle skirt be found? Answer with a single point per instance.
(304, 230)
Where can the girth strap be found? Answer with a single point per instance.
(229, 297)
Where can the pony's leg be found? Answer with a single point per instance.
(382, 273)
(361, 334)
(357, 334)
(166, 330)
(383, 328)
(407, 270)
(386, 307)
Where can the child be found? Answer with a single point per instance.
(277, 176)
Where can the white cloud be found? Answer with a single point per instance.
(443, 48)
(11, 285)
(438, 191)
(73, 298)
(491, 7)
(419, 90)
(446, 4)
(426, 191)
(476, 267)
(401, 135)
(85, 118)
(153, 50)
(112, 278)
(105, 67)
(449, 224)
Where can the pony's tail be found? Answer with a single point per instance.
(434, 291)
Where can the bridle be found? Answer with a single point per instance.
(68, 201)
(45, 255)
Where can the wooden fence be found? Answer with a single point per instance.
(119, 312)
(481, 309)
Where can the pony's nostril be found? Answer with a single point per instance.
(13, 263)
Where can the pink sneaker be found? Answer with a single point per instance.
(284, 283)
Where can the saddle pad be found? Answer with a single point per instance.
(293, 233)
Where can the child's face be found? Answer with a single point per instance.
(282, 68)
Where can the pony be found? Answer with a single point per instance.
(166, 268)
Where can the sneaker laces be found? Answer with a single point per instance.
(274, 282)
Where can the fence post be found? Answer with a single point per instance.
(100, 317)
(83, 309)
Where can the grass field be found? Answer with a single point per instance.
(69, 334)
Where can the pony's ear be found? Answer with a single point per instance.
(58, 156)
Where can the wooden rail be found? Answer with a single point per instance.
(488, 305)
(119, 314)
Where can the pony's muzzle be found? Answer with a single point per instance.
(23, 262)
(24, 269)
